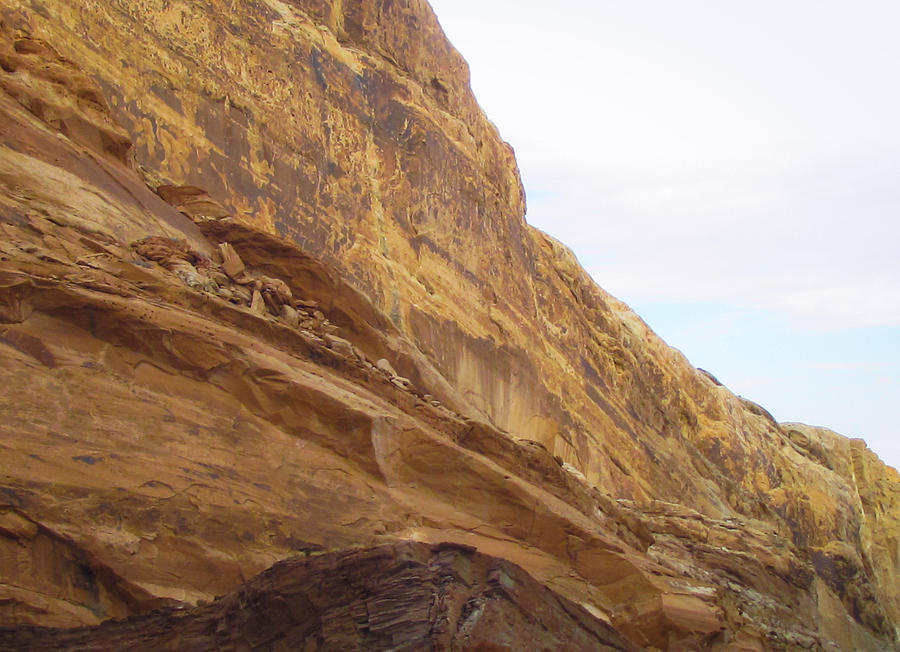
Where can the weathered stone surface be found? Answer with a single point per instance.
(257, 303)
(290, 316)
(166, 443)
(231, 262)
(193, 202)
(383, 365)
(340, 345)
(402, 597)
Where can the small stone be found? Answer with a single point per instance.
(385, 367)
(257, 303)
(218, 277)
(283, 290)
(312, 338)
(231, 262)
(242, 294)
(192, 277)
(401, 382)
(272, 302)
(166, 251)
(290, 316)
(339, 345)
(276, 292)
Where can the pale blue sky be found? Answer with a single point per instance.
(729, 169)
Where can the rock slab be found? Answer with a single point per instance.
(407, 596)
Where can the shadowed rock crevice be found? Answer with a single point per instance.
(48, 579)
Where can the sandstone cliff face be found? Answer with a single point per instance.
(341, 331)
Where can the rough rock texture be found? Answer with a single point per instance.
(407, 596)
(266, 287)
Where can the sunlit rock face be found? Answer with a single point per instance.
(266, 290)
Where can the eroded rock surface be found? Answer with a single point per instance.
(408, 596)
(266, 288)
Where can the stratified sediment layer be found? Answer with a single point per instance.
(407, 596)
(266, 288)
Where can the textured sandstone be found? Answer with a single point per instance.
(177, 177)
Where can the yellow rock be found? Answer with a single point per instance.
(182, 444)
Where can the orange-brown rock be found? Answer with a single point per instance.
(170, 429)
(166, 251)
(232, 264)
(193, 202)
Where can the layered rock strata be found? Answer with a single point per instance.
(266, 288)
(402, 597)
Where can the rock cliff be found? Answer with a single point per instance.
(267, 290)
(405, 596)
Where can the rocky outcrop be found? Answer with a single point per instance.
(403, 597)
(266, 289)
